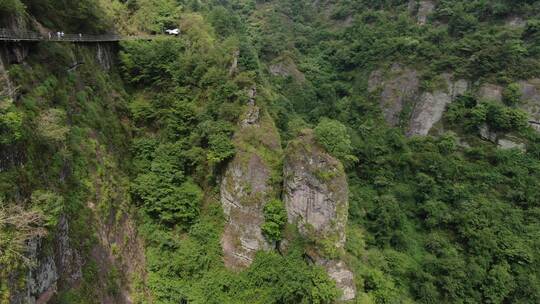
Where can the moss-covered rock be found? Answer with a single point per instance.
(315, 191)
(316, 198)
(249, 182)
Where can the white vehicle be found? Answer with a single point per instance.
(175, 31)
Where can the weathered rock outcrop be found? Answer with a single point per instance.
(339, 272)
(515, 22)
(491, 92)
(423, 9)
(399, 87)
(503, 141)
(14, 52)
(431, 106)
(247, 186)
(315, 191)
(285, 67)
(42, 277)
(48, 270)
(7, 89)
(316, 199)
(104, 55)
(530, 97)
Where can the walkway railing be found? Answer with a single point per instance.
(11, 35)
(6, 34)
(82, 38)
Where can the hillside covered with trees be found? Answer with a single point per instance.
(276, 151)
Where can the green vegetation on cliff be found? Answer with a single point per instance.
(451, 218)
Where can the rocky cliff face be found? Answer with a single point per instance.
(530, 98)
(14, 52)
(46, 272)
(7, 89)
(105, 55)
(248, 184)
(316, 199)
(398, 87)
(530, 95)
(56, 263)
(400, 90)
(431, 105)
(286, 67)
(423, 9)
(315, 191)
(490, 92)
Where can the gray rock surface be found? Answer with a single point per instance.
(487, 134)
(530, 96)
(398, 87)
(425, 8)
(241, 188)
(246, 186)
(516, 22)
(286, 67)
(42, 275)
(7, 89)
(339, 272)
(50, 269)
(104, 55)
(68, 260)
(315, 191)
(316, 199)
(491, 92)
(427, 112)
(431, 106)
(510, 143)
(14, 52)
(422, 9)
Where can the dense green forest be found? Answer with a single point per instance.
(451, 217)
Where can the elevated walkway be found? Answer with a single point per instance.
(17, 36)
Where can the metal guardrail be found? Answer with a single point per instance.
(11, 35)
(6, 34)
(82, 38)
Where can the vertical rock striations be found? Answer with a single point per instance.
(248, 184)
(422, 9)
(49, 271)
(530, 96)
(316, 199)
(399, 88)
(315, 191)
(431, 106)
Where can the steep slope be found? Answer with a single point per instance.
(419, 183)
(316, 199)
(248, 184)
(67, 236)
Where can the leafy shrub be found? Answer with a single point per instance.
(155, 16)
(52, 125)
(167, 203)
(506, 119)
(11, 7)
(11, 124)
(289, 280)
(512, 94)
(50, 204)
(275, 218)
(333, 136)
